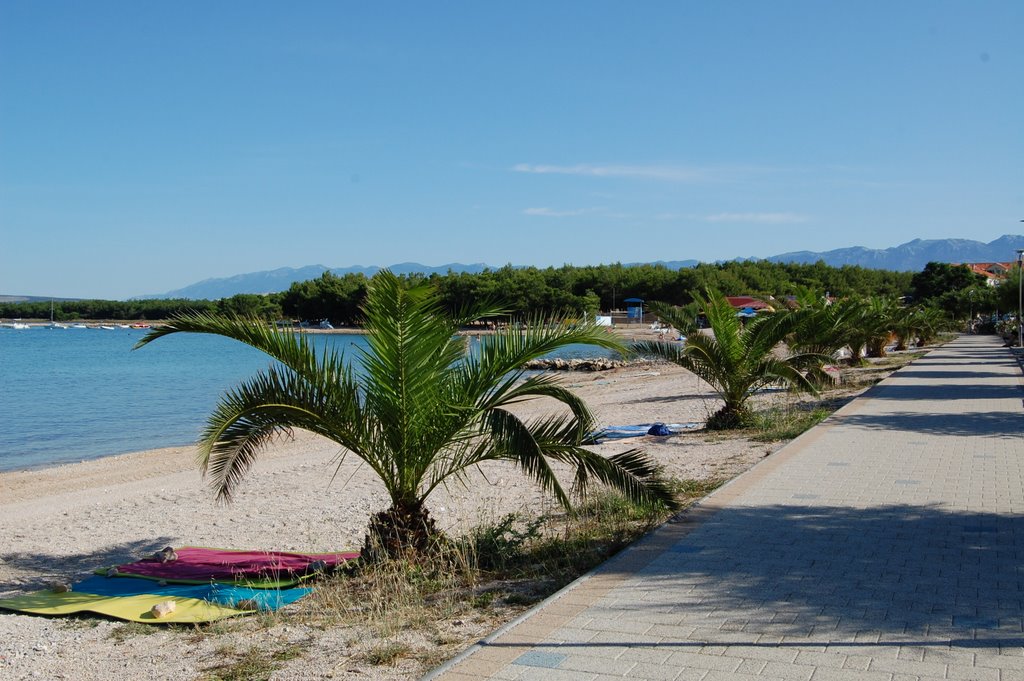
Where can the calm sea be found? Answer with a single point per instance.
(73, 394)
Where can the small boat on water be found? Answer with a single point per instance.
(140, 326)
(78, 326)
(53, 323)
(106, 327)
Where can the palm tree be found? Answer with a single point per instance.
(420, 412)
(933, 321)
(823, 325)
(880, 318)
(872, 326)
(738, 359)
(918, 323)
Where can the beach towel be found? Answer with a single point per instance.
(257, 569)
(131, 608)
(203, 584)
(133, 599)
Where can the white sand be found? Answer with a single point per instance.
(62, 522)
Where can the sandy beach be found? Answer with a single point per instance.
(62, 522)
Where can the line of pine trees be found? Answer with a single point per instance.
(589, 289)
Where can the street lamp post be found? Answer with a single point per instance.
(970, 319)
(1020, 300)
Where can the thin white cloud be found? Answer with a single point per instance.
(673, 173)
(762, 218)
(554, 213)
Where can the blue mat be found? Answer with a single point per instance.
(222, 594)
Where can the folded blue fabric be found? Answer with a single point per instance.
(639, 430)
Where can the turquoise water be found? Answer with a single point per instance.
(73, 394)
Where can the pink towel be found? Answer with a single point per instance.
(195, 564)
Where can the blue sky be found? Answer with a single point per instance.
(146, 146)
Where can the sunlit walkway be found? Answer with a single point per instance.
(885, 544)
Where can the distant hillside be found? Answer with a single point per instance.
(913, 255)
(33, 299)
(280, 279)
(909, 257)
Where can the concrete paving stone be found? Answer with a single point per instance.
(899, 666)
(767, 653)
(541, 674)
(752, 667)
(830, 674)
(459, 676)
(948, 656)
(582, 662)
(646, 655)
(858, 662)
(618, 638)
(618, 625)
(865, 651)
(698, 661)
(719, 675)
(717, 636)
(579, 621)
(788, 670)
(672, 632)
(984, 659)
(667, 617)
(570, 635)
(816, 659)
(960, 673)
(540, 658)
(656, 672)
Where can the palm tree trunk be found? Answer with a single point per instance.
(405, 528)
(727, 418)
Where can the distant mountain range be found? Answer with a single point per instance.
(909, 257)
(914, 255)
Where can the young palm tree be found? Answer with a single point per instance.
(823, 325)
(871, 328)
(913, 324)
(933, 321)
(421, 410)
(738, 359)
(883, 313)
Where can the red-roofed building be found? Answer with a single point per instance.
(755, 304)
(994, 272)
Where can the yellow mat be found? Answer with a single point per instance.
(133, 608)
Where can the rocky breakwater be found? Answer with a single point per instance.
(555, 364)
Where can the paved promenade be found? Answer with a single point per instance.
(887, 544)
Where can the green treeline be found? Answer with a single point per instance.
(520, 290)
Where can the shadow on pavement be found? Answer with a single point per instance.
(812, 574)
(998, 424)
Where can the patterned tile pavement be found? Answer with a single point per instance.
(886, 544)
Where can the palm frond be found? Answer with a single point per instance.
(273, 402)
